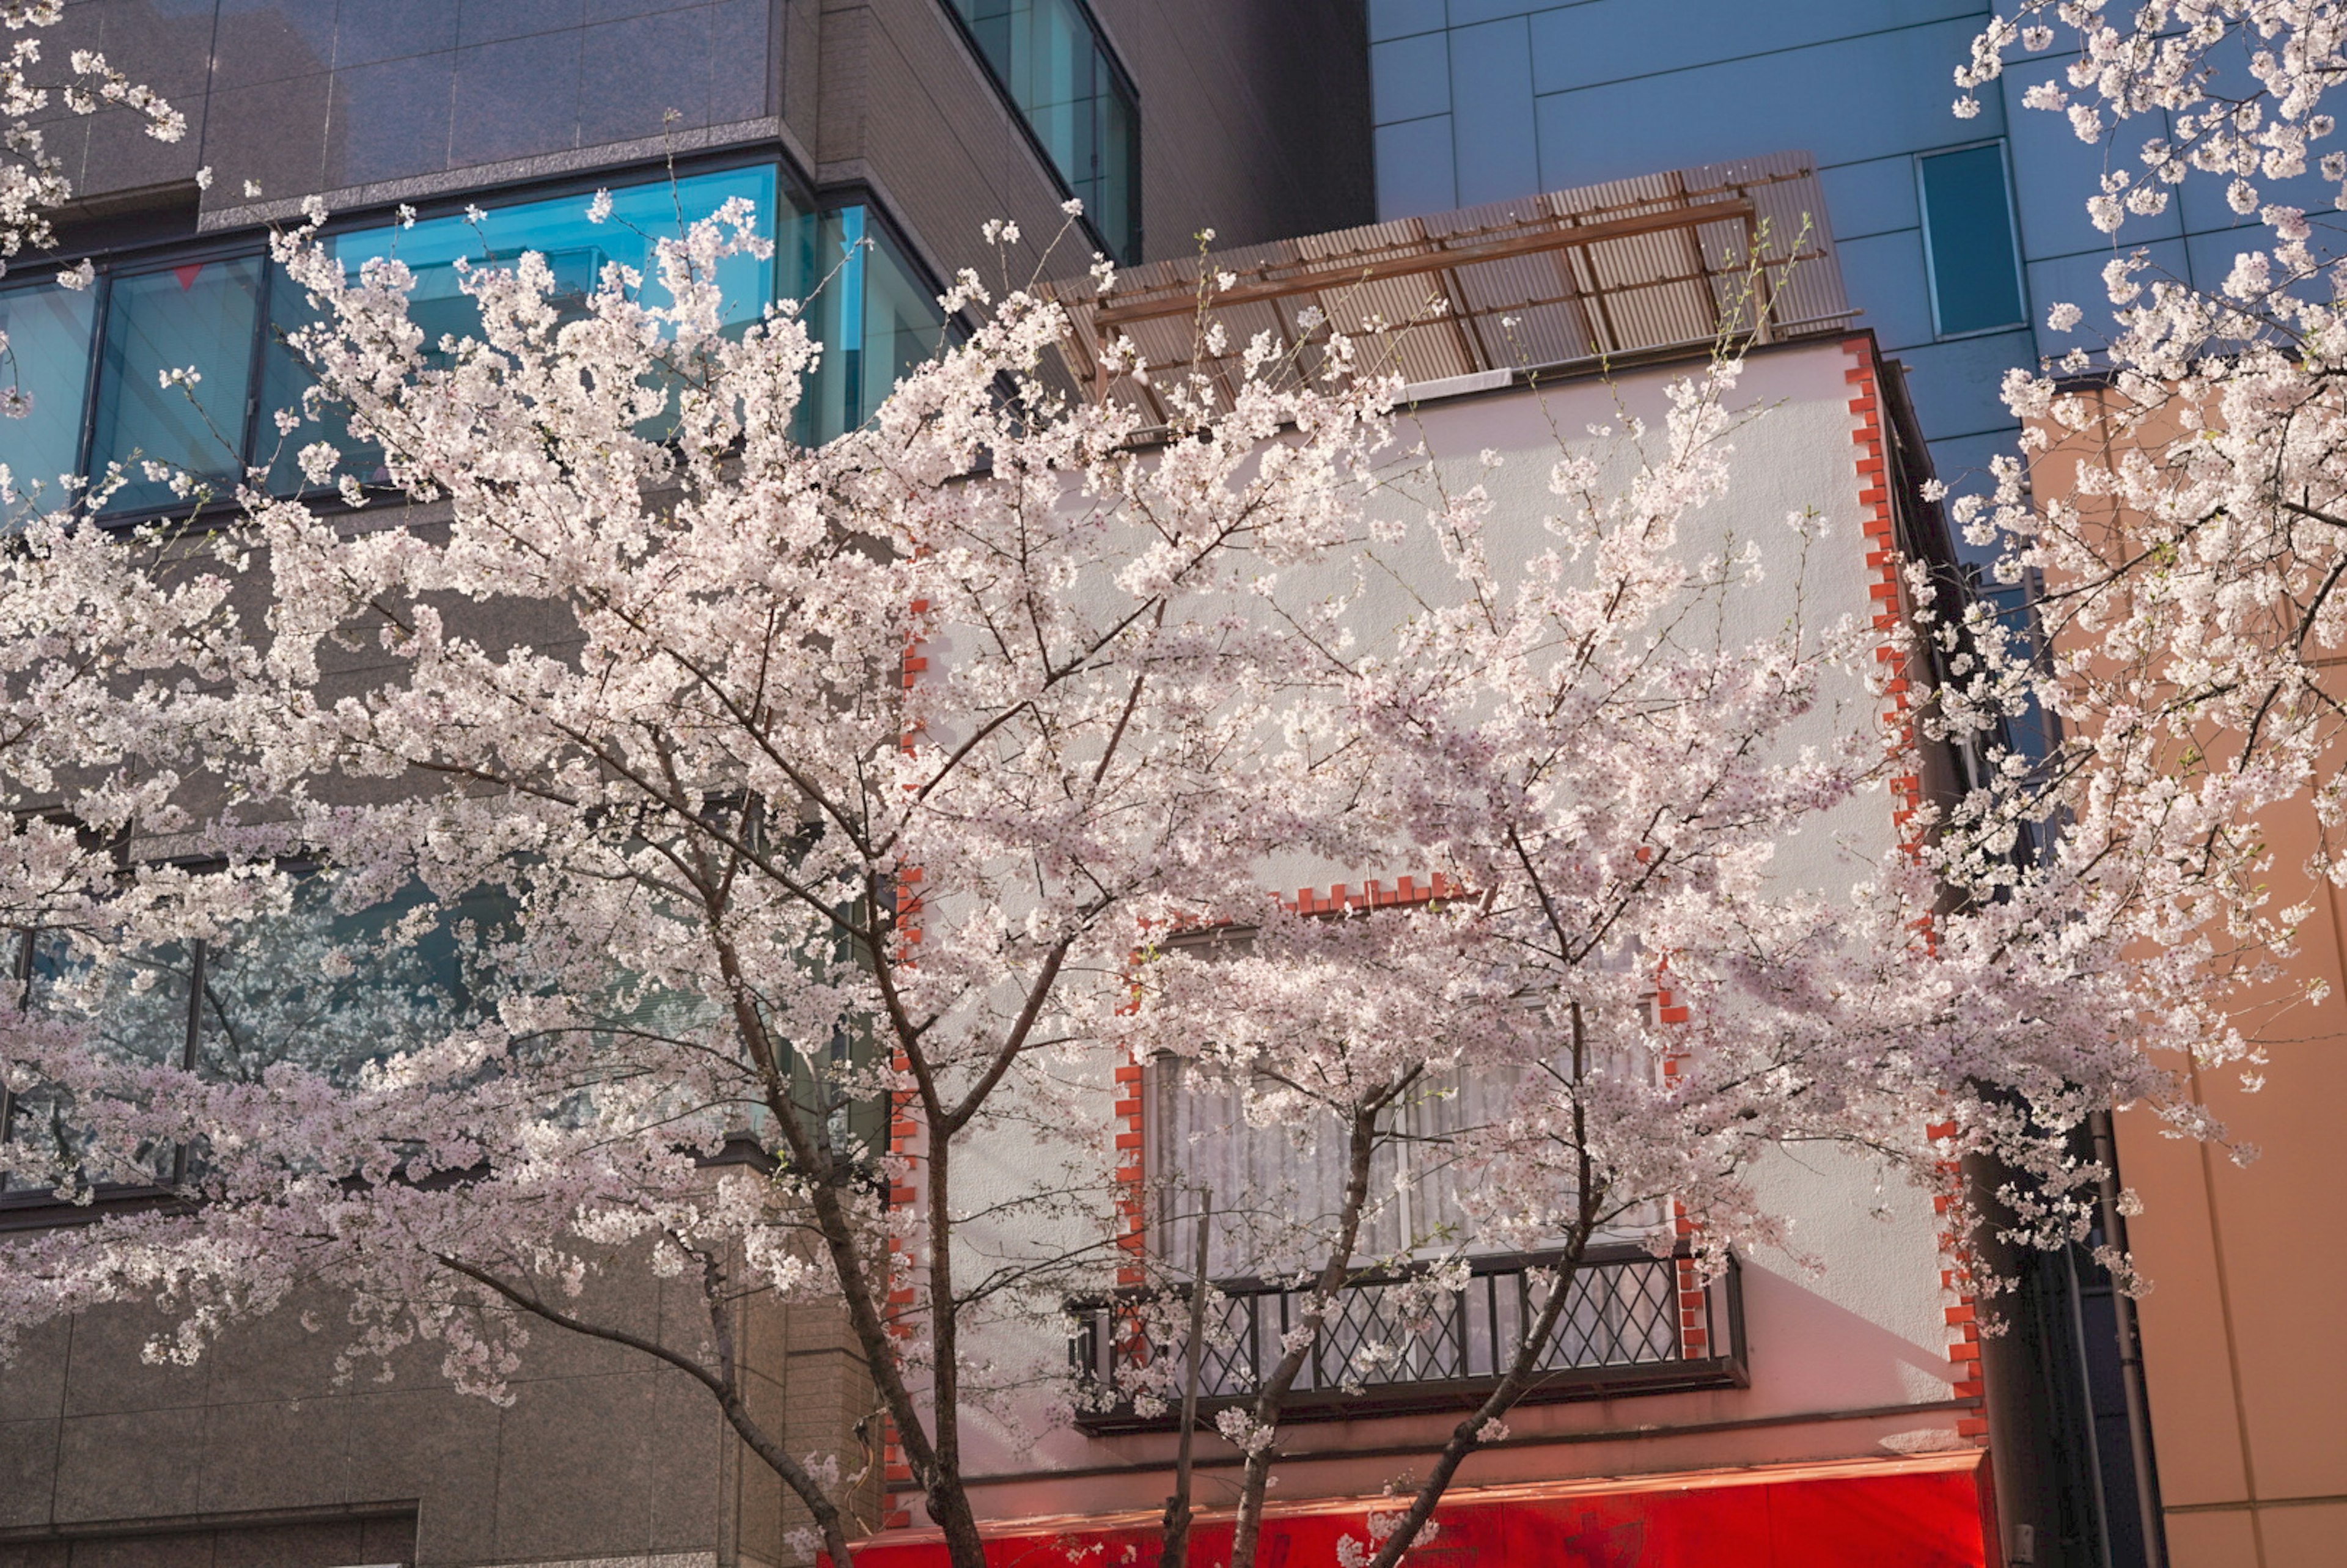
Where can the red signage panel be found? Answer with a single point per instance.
(1915, 1514)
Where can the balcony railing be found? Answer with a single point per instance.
(1635, 1323)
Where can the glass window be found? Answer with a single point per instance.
(48, 330)
(869, 308)
(1968, 239)
(1055, 67)
(199, 316)
(331, 991)
(326, 989)
(576, 248)
(135, 1003)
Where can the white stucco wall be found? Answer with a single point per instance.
(1866, 1330)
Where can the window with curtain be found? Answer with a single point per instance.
(1278, 1191)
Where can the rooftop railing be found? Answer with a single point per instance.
(1663, 264)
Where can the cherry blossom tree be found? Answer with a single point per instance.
(2184, 579)
(937, 771)
(85, 623)
(32, 184)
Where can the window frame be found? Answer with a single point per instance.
(147, 263)
(2011, 234)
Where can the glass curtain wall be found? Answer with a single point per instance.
(868, 307)
(90, 365)
(1056, 70)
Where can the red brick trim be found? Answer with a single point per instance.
(1888, 593)
(896, 1474)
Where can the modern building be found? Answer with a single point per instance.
(1775, 1415)
(908, 124)
(1856, 1416)
(1956, 236)
(2243, 1388)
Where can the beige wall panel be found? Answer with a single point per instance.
(2211, 1540)
(2304, 1535)
(564, 1444)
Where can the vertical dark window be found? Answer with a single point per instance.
(199, 316)
(1968, 240)
(1058, 72)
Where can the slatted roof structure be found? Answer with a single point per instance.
(1600, 274)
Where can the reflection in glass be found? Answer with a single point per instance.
(197, 316)
(325, 991)
(134, 1003)
(331, 993)
(867, 306)
(1056, 70)
(48, 330)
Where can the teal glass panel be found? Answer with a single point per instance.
(1968, 230)
(200, 316)
(1056, 69)
(577, 249)
(133, 1003)
(329, 990)
(868, 307)
(49, 331)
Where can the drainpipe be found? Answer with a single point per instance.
(2138, 1404)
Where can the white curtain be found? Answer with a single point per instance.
(1278, 1191)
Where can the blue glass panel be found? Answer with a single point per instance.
(1498, 149)
(1968, 229)
(200, 316)
(330, 992)
(1410, 78)
(1397, 19)
(1885, 274)
(867, 305)
(48, 330)
(1957, 385)
(1846, 101)
(576, 248)
(1057, 71)
(1415, 171)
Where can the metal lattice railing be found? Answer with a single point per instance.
(1393, 1342)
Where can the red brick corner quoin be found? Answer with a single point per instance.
(1888, 597)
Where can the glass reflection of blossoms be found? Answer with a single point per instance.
(317, 988)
